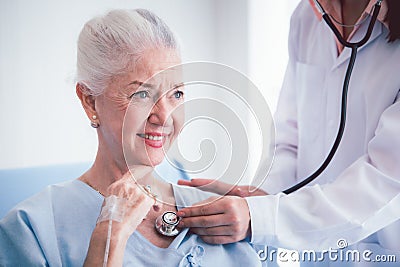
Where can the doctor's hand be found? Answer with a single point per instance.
(218, 220)
(222, 188)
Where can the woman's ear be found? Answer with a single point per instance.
(88, 101)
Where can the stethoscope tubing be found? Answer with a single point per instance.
(354, 48)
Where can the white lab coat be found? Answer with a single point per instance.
(358, 195)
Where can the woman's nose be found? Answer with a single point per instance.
(161, 113)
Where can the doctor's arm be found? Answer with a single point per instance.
(362, 200)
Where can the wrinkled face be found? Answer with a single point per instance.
(142, 113)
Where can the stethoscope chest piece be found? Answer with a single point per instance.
(166, 223)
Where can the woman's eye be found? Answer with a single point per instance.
(178, 94)
(141, 94)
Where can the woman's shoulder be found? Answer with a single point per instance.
(38, 201)
(43, 201)
(39, 228)
(43, 209)
(27, 229)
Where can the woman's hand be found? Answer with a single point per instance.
(222, 188)
(136, 203)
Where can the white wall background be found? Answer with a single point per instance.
(41, 120)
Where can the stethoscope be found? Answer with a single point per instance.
(166, 223)
(354, 47)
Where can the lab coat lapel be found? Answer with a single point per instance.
(345, 55)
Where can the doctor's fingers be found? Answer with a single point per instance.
(226, 230)
(208, 185)
(221, 239)
(238, 230)
(217, 187)
(235, 225)
(210, 206)
(216, 205)
(221, 188)
(206, 221)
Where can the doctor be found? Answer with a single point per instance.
(357, 198)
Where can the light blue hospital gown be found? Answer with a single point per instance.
(53, 228)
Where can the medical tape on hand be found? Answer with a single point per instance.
(113, 209)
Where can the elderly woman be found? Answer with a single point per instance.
(68, 224)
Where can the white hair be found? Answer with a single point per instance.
(107, 44)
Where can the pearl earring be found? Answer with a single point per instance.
(93, 123)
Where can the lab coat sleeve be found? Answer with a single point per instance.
(362, 200)
(283, 171)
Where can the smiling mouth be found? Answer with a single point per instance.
(152, 137)
(155, 140)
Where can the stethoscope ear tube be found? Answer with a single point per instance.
(328, 21)
(354, 47)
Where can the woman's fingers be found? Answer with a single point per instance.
(138, 208)
(126, 186)
(137, 199)
(135, 174)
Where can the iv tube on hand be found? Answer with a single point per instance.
(113, 210)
